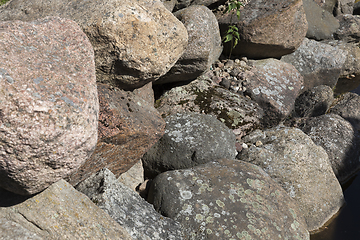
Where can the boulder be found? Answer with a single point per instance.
(267, 28)
(314, 102)
(126, 207)
(59, 212)
(128, 127)
(349, 30)
(228, 199)
(134, 42)
(49, 104)
(133, 177)
(302, 168)
(321, 24)
(239, 113)
(356, 8)
(328, 5)
(274, 85)
(348, 107)
(318, 63)
(344, 7)
(204, 46)
(340, 141)
(180, 4)
(190, 139)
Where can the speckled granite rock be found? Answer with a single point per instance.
(135, 42)
(274, 85)
(48, 102)
(59, 212)
(292, 159)
(341, 142)
(128, 127)
(306, 59)
(132, 212)
(349, 30)
(228, 199)
(190, 139)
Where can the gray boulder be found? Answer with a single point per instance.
(239, 113)
(292, 159)
(127, 208)
(228, 199)
(49, 102)
(344, 7)
(135, 42)
(274, 85)
(349, 30)
(203, 48)
(318, 63)
(340, 141)
(327, 5)
(321, 24)
(190, 139)
(59, 212)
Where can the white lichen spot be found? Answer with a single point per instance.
(295, 225)
(209, 219)
(199, 217)
(220, 203)
(185, 194)
(209, 231)
(217, 215)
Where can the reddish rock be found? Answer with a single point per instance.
(128, 127)
(48, 103)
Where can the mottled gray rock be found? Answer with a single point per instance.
(349, 30)
(204, 45)
(228, 199)
(349, 77)
(314, 102)
(237, 112)
(344, 7)
(267, 28)
(348, 107)
(321, 24)
(59, 212)
(292, 159)
(127, 208)
(169, 4)
(340, 141)
(318, 63)
(190, 139)
(274, 85)
(328, 5)
(135, 42)
(49, 103)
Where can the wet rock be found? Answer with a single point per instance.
(349, 30)
(49, 103)
(267, 28)
(321, 24)
(59, 212)
(128, 127)
(239, 113)
(134, 42)
(204, 45)
(228, 199)
(341, 142)
(190, 139)
(127, 208)
(292, 159)
(318, 63)
(274, 85)
(314, 102)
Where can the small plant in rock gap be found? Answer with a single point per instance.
(232, 34)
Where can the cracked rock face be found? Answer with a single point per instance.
(48, 102)
(227, 199)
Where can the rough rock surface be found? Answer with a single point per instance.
(321, 24)
(314, 102)
(133, 177)
(228, 199)
(48, 102)
(318, 63)
(128, 127)
(190, 139)
(344, 7)
(348, 107)
(135, 42)
(237, 112)
(328, 5)
(274, 85)
(349, 30)
(127, 208)
(341, 142)
(203, 48)
(60, 212)
(267, 28)
(292, 159)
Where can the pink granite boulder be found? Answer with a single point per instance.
(48, 102)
